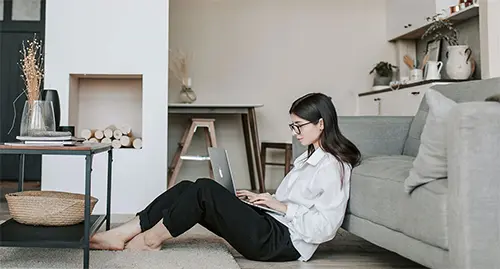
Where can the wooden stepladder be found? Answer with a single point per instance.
(180, 154)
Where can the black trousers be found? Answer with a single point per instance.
(252, 232)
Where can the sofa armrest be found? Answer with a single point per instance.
(373, 135)
(473, 150)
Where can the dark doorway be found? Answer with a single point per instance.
(21, 21)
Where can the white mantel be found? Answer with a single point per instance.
(113, 37)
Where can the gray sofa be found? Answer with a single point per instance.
(447, 223)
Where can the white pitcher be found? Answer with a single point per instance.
(458, 65)
(433, 70)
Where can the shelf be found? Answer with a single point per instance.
(414, 84)
(462, 15)
(97, 101)
(15, 234)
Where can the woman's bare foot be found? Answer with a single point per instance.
(108, 240)
(139, 243)
(151, 239)
(116, 238)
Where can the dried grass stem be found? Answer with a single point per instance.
(32, 68)
(179, 65)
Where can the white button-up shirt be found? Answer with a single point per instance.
(315, 199)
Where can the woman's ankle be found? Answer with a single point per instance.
(151, 240)
(127, 230)
(155, 236)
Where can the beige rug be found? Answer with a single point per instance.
(198, 248)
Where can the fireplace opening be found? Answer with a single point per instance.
(107, 109)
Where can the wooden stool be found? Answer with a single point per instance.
(273, 145)
(179, 156)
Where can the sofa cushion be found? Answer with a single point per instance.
(459, 92)
(431, 162)
(377, 195)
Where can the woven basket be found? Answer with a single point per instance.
(48, 208)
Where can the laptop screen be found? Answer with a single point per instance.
(221, 168)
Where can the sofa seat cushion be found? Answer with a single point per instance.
(377, 195)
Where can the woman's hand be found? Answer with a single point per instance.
(244, 194)
(264, 199)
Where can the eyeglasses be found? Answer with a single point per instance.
(296, 127)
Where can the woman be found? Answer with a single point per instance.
(313, 195)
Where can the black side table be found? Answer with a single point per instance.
(14, 234)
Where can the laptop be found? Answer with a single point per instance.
(224, 176)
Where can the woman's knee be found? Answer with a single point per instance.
(208, 186)
(202, 182)
(184, 184)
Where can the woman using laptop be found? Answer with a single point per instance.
(313, 197)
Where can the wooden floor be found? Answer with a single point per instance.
(346, 251)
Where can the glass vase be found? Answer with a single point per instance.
(38, 118)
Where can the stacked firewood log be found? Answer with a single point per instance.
(118, 137)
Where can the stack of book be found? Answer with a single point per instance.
(49, 139)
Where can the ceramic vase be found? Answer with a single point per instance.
(458, 65)
(187, 95)
(53, 96)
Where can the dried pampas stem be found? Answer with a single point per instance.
(32, 68)
(179, 65)
(32, 73)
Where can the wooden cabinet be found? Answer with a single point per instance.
(404, 102)
(394, 103)
(369, 105)
(401, 102)
(14, 31)
(405, 16)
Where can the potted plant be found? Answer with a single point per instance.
(38, 116)
(383, 73)
(458, 64)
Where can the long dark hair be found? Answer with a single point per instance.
(315, 106)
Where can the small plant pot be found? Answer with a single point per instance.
(381, 81)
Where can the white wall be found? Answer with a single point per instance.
(272, 52)
(489, 24)
(111, 37)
